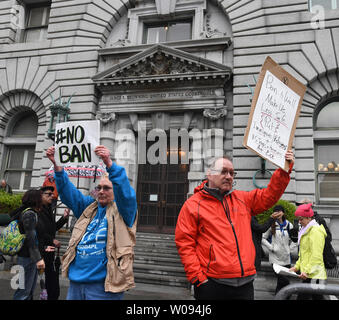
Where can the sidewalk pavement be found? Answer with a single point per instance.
(142, 291)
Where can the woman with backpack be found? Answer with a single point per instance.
(29, 256)
(311, 240)
(278, 242)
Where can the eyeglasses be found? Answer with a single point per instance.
(225, 172)
(48, 193)
(104, 188)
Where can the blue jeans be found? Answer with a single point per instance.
(31, 275)
(91, 291)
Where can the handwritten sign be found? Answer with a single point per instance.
(275, 109)
(75, 143)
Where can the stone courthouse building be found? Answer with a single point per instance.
(154, 70)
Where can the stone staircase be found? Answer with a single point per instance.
(156, 259)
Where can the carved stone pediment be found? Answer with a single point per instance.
(161, 63)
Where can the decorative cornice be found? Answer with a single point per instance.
(185, 45)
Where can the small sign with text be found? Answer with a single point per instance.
(75, 142)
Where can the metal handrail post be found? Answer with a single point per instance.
(321, 289)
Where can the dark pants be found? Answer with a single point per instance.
(282, 281)
(51, 277)
(211, 290)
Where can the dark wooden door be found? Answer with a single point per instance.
(162, 190)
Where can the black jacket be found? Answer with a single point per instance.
(27, 225)
(257, 231)
(47, 228)
(40, 229)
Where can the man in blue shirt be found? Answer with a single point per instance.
(93, 246)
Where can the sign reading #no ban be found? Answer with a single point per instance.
(75, 142)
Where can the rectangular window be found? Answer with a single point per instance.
(328, 171)
(167, 31)
(326, 4)
(36, 23)
(19, 166)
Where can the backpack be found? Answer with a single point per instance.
(330, 258)
(11, 239)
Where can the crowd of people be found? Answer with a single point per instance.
(218, 237)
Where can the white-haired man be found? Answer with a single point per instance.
(213, 233)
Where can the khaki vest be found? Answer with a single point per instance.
(119, 248)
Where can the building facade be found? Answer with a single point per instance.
(171, 83)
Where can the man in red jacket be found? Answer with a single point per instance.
(213, 233)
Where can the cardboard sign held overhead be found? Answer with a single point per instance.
(274, 113)
(75, 142)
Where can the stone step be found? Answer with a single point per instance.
(155, 243)
(161, 279)
(157, 260)
(160, 269)
(155, 250)
(160, 236)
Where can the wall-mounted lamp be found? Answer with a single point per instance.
(60, 110)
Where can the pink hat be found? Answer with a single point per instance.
(304, 210)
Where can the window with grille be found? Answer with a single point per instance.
(20, 150)
(326, 145)
(37, 19)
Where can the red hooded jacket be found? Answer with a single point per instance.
(214, 238)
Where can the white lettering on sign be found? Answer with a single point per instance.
(273, 120)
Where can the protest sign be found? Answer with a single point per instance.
(274, 113)
(75, 142)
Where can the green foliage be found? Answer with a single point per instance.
(289, 211)
(9, 202)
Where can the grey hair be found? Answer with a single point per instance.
(211, 165)
(306, 201)
(105, 175)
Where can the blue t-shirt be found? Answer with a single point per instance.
(90, 261)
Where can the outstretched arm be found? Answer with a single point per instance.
(124, 194)
(69, 194)
(260, 200)
(50, 155)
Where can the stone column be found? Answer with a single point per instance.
(107, 130)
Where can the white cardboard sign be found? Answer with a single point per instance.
(274, 113)
(75, 142)
(273, 120)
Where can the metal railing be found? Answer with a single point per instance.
(321, 289)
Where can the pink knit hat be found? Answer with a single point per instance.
(304, 210)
